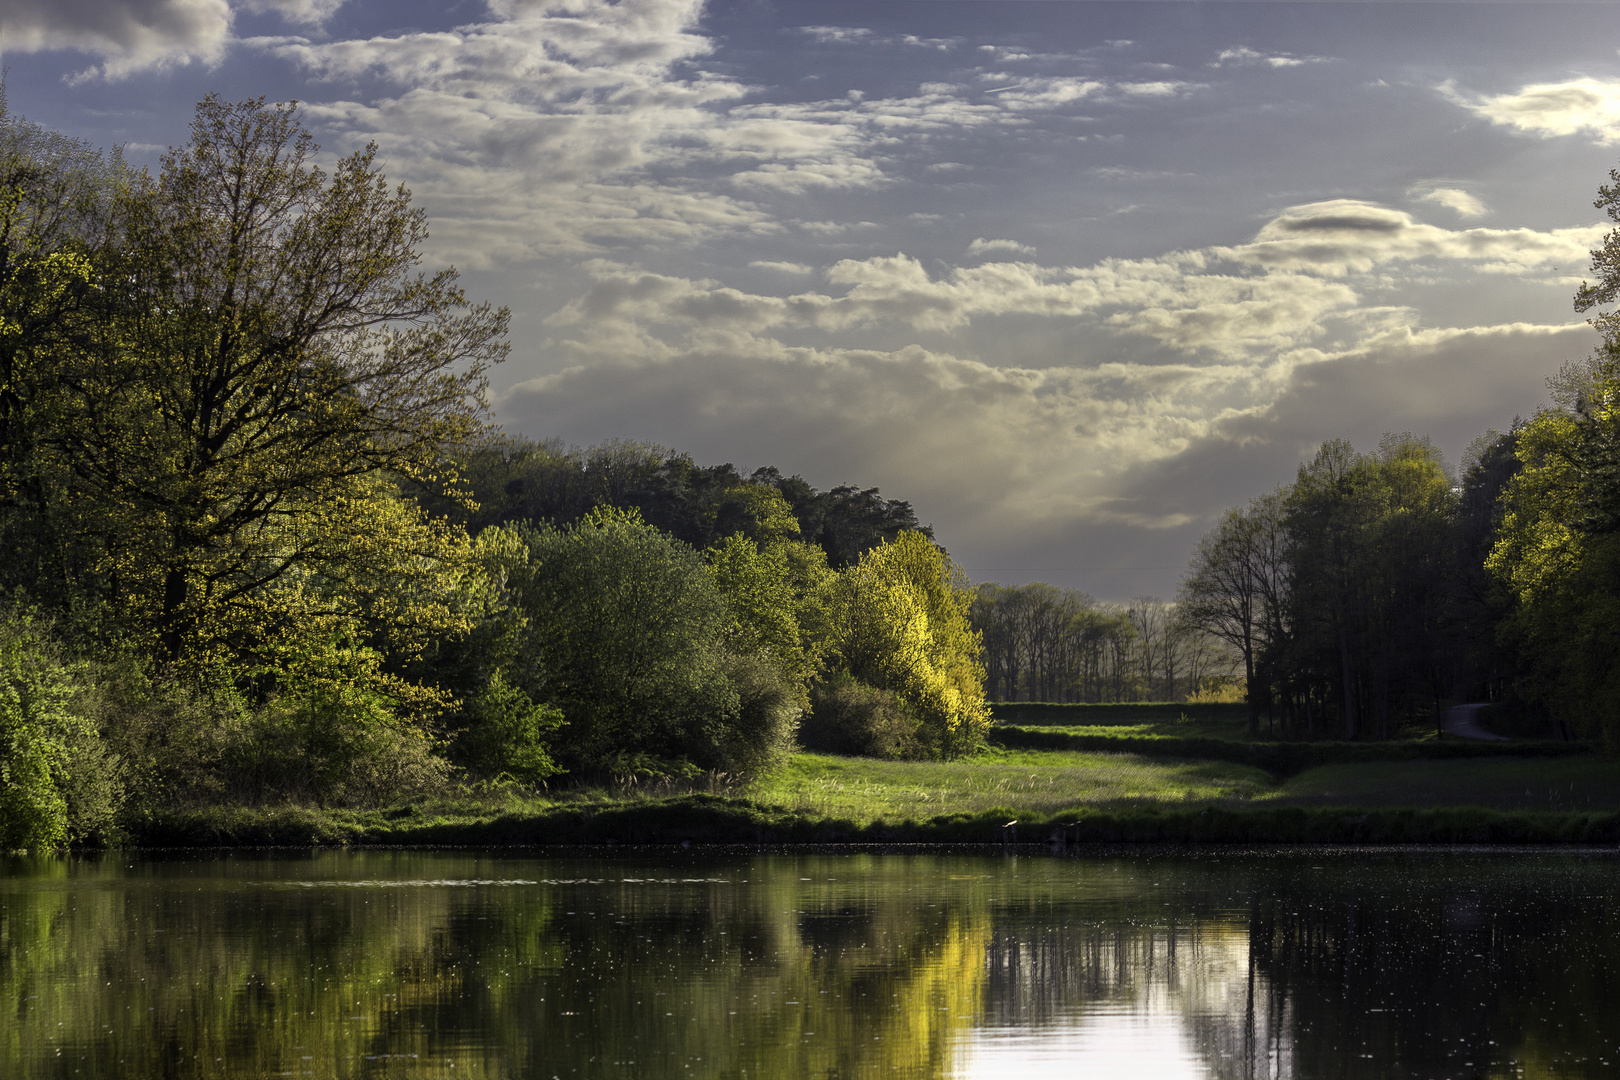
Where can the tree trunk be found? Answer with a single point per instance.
(1349, 686)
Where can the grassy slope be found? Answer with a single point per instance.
(1222, 717)
(1033, 782)
(1112, 797)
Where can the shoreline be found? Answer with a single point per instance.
(710, 819)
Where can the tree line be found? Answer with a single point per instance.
(262, 543)
(1043, 643)
(1379, 587)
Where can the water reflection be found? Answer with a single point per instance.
(419, 964)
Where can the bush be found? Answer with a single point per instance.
(58, 781)
(506, 733)
(199, 742)
(767, 715)
(899, 621)
(171, 737)
(328, 749)
(625, 632)
(849, 717)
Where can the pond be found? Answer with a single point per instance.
(1138, 964)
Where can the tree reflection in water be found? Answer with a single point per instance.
(421, 964)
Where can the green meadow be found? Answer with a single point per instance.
(1127, 784)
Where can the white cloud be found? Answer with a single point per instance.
(1004, 54)
(1243, 56)
(840, 35)
(1573, 107)
(940, 44)
(1462, 202)
(127, 36)
(306, 12)
(586, 126)
(782, 267)
(535, 133)
(860, 35)
(1344, 236)
(1294, 287)
(981, 246)
(1049, 92)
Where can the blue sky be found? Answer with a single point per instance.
(1071, 277)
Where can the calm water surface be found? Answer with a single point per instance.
(1142, 965)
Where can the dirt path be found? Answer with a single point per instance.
(1463, 721)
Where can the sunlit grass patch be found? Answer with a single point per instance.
(1037, 782)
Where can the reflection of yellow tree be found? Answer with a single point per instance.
(898, 1012)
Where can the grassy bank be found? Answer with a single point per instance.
(1207, 719)
(1277, 758)
(1086, 797)
(721, 819)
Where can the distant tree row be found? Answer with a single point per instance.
(516, 479)
(1042, 643)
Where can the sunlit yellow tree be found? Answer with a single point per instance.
(898, 621)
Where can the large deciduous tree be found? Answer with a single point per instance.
(1234, 589)
(267, 351)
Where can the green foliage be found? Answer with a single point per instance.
(849, 717)
(626, 635)
(514, 479)
(898, 621)
(768, 712)
(508, 734)
(774, 591)
(1563, 576)
(58, 782)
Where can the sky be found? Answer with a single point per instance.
(1073, 278)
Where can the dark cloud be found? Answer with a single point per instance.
(128, 35)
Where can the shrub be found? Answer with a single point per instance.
(767, 715)
(58, 781)
(1219, 691)
(506, 733)
(328, 749)
(849, 717)
(899, 622)
(624, 635)
(327, 732)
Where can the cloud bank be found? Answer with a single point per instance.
(1200, 356)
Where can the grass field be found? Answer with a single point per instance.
(1043, 783)
(1158, 778)
(1032, 781)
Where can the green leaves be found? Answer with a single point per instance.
(625, 637)
(56, 781)
(898, 621)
